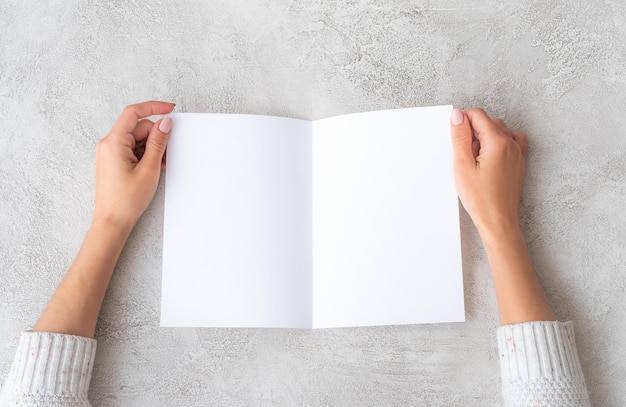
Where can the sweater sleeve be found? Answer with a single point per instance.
(540, 365)
(50, 370)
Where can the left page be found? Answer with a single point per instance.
(237, 228)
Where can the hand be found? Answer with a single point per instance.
(489, 168)
(128, 164)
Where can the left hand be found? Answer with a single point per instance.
(128, 164)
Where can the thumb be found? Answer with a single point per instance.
(156, 143)
(461, 132)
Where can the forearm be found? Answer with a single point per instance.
(74, 307)
(518, 291)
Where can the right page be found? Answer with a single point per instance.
(386, 239)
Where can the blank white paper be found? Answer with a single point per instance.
(346, 221)
(386, 245)
(237, 227)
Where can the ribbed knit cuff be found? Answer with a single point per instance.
(52, 364)
(539, 364)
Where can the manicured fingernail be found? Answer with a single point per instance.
(457, 117)
(166, 125)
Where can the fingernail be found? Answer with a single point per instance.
(166, 125)
(457, 117)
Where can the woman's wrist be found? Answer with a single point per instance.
(501, 238)
(110, 226)
(499, 229)
(518, 290)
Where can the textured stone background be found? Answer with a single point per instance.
(555, 69)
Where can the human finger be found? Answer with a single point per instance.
(156, 144)
(131, 114)
(522, 140)
(475, 147)
(461, 133)
(139, 152)
(485, 129)
(142, 129)
(500, 123)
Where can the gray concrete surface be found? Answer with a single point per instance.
(555, 69)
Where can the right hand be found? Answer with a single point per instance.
(489, 168)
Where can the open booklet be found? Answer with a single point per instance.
(276, 222)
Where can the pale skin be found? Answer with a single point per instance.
(128, 166)
(489, 166)
(489, 170)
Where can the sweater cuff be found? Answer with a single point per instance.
(532, 350)
(540, 365)
(53, 364)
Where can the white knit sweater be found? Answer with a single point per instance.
(539, 362)
(50, 370)
(540, 365)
